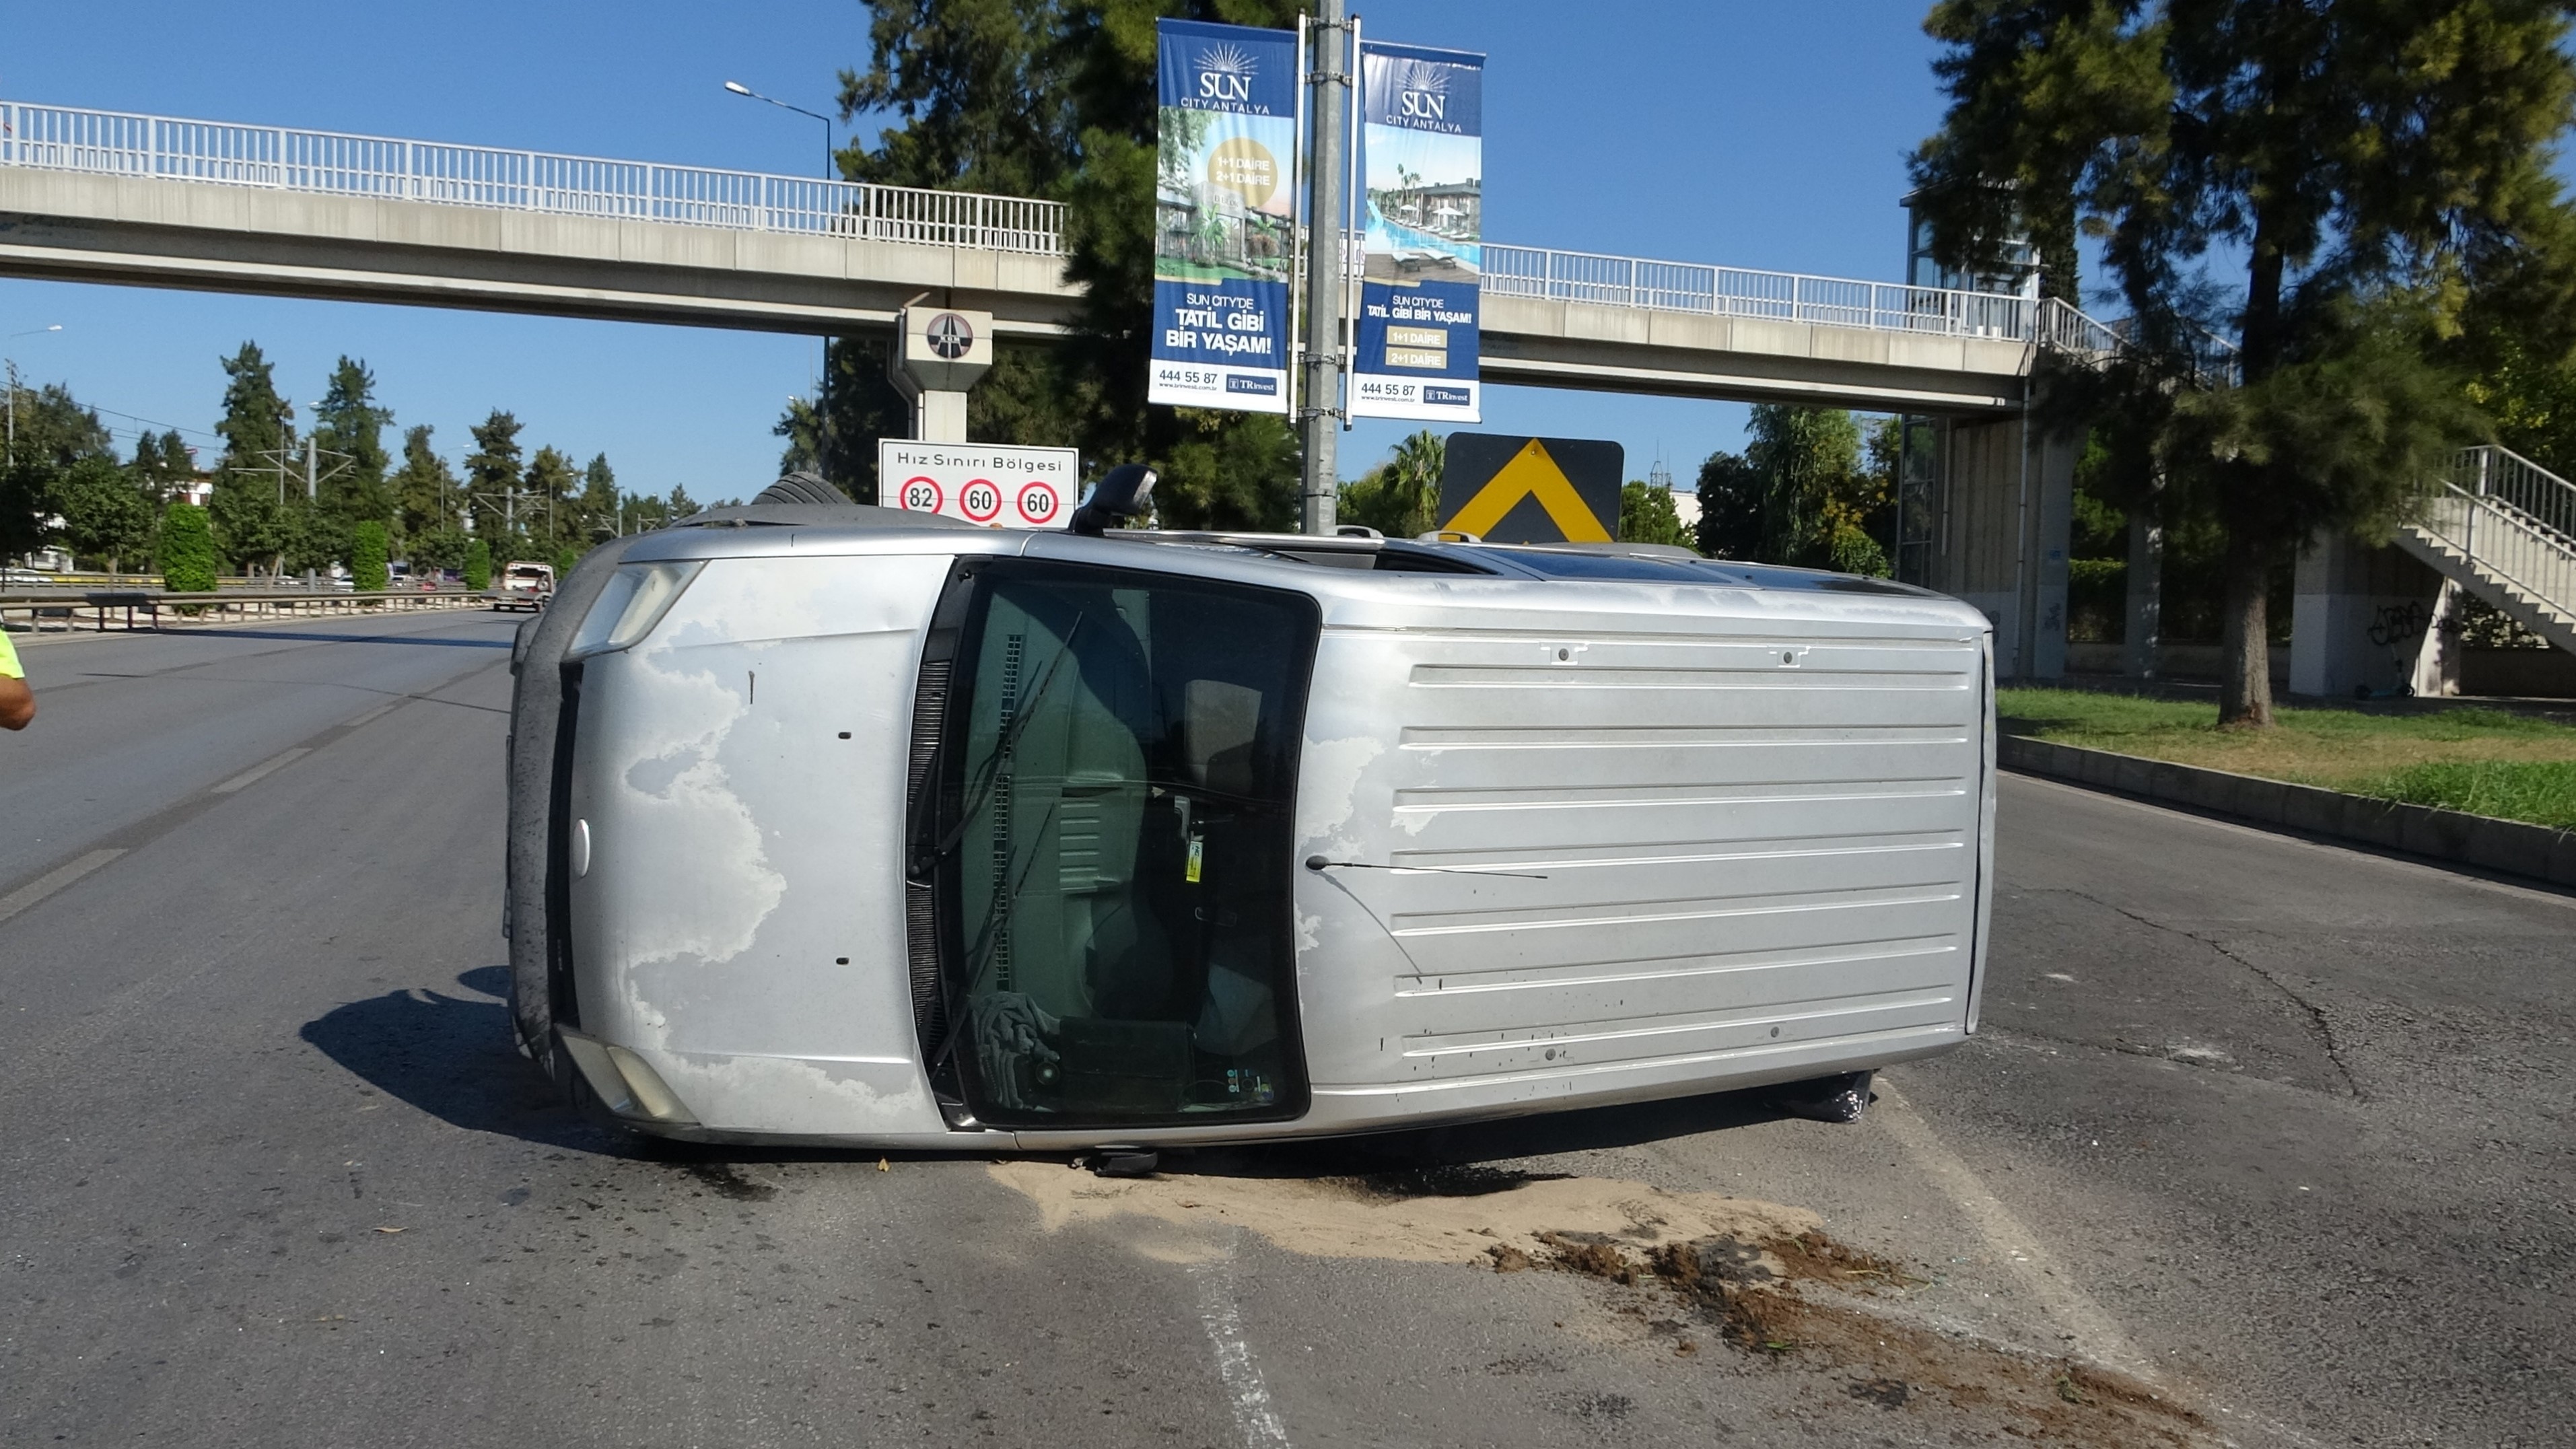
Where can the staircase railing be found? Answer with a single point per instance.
(2512, 519)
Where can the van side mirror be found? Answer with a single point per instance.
(1126, 491)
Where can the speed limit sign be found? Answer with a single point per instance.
(991, 484)
(1039, 503)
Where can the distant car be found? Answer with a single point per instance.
(524, 586)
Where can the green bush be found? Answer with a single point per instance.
(1646, 515)
(565, 560)
(368, 551)
(187, 550)
(478, 565)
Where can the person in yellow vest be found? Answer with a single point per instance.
(17, 701)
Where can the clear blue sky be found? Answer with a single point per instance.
(1745, 132)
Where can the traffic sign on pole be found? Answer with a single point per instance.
(1531, 490)
(993, 484)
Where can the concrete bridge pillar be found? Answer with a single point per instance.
(2006, 515)
(939, 353)
(2368, 619)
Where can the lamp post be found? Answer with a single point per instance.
(12, 456)
(738, 88)
(823, 422)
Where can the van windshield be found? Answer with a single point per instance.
(1117, 803)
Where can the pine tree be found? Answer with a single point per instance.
(546, 513)
(348, 421)
(492, 474)
(2364, 178)
(426, 496)
(252, 523)
(596, 512)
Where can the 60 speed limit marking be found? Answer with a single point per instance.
(980, 500)
(1038, 502)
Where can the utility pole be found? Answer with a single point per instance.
(1329, 85)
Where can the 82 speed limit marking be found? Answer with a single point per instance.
(987, 484)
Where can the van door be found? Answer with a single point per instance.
(1113, 849)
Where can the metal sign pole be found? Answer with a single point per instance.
(1321, 413)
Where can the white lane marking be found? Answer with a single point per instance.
(2454, 874)
(373, 715)
(261, 771)
(2011, 1242)
(1246, 1393)
(52, 881)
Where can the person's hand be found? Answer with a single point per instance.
(17, 703)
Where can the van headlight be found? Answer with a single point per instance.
(633, 601)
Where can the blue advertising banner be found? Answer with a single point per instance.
(1225, 216)
(1422, 149)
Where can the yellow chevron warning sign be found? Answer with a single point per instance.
(1531, 490)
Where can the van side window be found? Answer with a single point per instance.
(1120, 780)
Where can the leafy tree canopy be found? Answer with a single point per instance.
(1048, 98)
(1647, 515)
(2360, 189)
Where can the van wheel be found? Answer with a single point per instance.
(1841, 1098)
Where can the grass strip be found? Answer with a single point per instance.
(2540, 792)
(2482, 761)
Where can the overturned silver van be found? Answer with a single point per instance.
(841, 825)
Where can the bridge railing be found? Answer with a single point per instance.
(1564, 276)
(115, 143)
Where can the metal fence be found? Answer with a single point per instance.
(93, 610)
(2513, 520)
(114, 143)
(1772, 296)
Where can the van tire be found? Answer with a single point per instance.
(1839, 1098)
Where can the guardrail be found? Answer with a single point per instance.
(42, 608)
(121, 143)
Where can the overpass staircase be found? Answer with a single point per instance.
(2504, 528)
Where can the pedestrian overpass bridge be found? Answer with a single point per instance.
(102, 196)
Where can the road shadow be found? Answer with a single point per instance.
(452, 1057)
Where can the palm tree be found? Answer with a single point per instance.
(1413, 474)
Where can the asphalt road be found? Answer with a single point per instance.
(2281, 1131)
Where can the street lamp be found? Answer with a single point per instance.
(823, 423)
(738, 88)
(12, 455)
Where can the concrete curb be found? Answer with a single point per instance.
(2445, 835)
